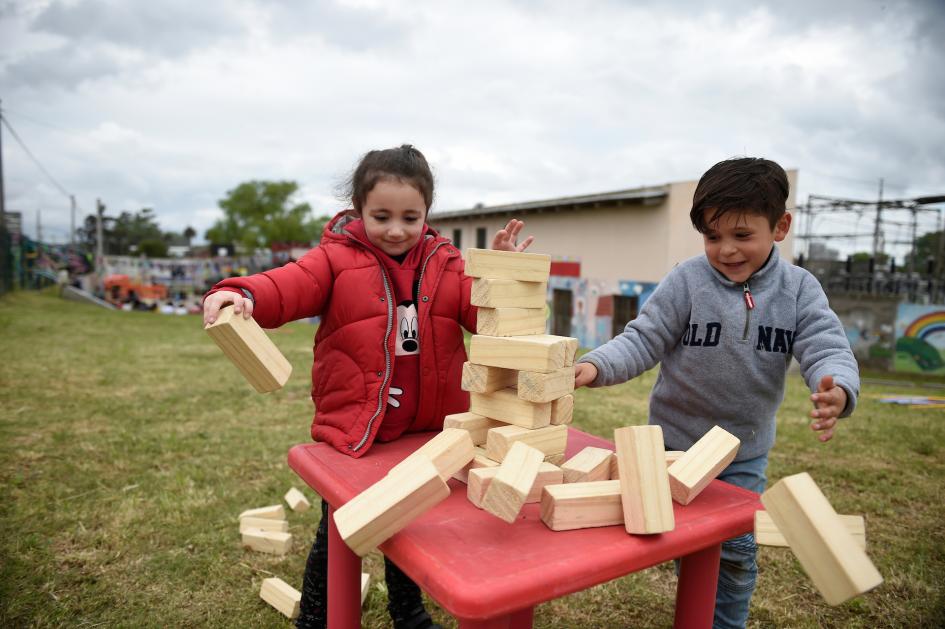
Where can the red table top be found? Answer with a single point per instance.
(477, 566)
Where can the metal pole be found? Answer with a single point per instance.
(4, 237)
(72, 222)
(99, 248)
(877, 229)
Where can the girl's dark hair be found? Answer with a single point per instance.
(404, 163)
(742, 184)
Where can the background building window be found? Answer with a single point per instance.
(458, 238)
(480, 237)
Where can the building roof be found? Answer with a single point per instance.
(647, 195)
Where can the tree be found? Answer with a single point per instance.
(124, 234)
(926, 248)
(260, 213)
(189, 234)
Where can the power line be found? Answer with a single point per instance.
(16, 137)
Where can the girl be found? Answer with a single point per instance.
(389, 350)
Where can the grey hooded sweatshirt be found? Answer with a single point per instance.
(724, 362)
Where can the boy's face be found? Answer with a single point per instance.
(738, 244)
(393, 215)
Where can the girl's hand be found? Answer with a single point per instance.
(584, 373)
(213, 303)
(829, 402)
(505, 238)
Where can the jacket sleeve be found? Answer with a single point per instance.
(294, 291)
(820, 344)
(646, 339)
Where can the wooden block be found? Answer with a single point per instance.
(562, 410)
(555, 459)
(511, 321)
(449, 452)
(690, 474)
(390, 504)
(485, 379)
(274, 512)
(536, 386)
(297, 500)
(253, 353)
(836, 564)
(588, 465)
(264, 524)
(767, 533)
(506, 406)
(550, 440)
(476, 425)
(508, 265)
(644, 482)
(541, 352)
(365, 585)
(285, 598)
(671, 457)
(480, 478)
(272, 542)
(512, 482)
(480, 460)
(487, 293)
(581, 505)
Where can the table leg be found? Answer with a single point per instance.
(344, 581)
(695, 590)
(521, 619)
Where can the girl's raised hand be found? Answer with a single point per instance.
(505, 239)
(213, 303)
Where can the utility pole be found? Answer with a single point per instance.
(915, 213)
(39, 226)
(5, 270)
(72, 222)
(99, 248)
(877, 229)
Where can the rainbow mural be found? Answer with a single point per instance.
(920, 338)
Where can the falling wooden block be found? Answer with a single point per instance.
(285, 598)
(449, 451)
(506, 406)
(248, 347)
(693, 471)
(581, 505)
(264, 524)
(536, 386)
(644, 482)
(274, 512)
(272, 542)
(365, 585)
(767, 533)
(512, 482)
(549, 440)
(562, 410)
(488, 293)
(297, 500)
(671, 457)
(485, 379)
(541, 352)
(480, 479)
(511, 321)
(838, 566)
(481, 459)
(476, 425)
(508, 265)
(390, 504)
(590, 464)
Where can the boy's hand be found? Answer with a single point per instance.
(213, 303)
(505, 238)
(584, 373)
(829, 402)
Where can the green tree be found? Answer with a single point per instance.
(260, 213)
(122, 235)
(926, 248)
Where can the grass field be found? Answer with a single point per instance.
(128, 445)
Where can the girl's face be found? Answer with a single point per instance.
(393, 215)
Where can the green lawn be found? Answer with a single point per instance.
(129, 444)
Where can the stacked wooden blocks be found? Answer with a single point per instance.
(266, 530)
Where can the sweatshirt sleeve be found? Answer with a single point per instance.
(821, 346)
(646, 339)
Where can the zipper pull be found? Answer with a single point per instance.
(749, 301)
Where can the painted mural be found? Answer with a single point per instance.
(920, 339)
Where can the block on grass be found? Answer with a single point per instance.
(390, 504)
(285, 598)
(272, 542)
(449, 451)
(297, 500)
(264, 524)
(365, 585)
(644, 481)
(671, 457)
(485, 379)
(512, 482)
(506, 406)
(476, 425)
(540, 352)
(562, 410)
(694, 470)
(488, 293)
(480, 460)
(511, 321)
(481, 478)
(767, 533)
(273, 512)
(549, 440)
(248, 347)
(536, 386)
(588, 465)
(508, 265)
(581, 505)
(838, 566)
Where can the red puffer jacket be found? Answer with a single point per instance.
(343, 281)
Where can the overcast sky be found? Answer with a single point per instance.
(171, 104)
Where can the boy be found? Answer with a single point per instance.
(724, 327)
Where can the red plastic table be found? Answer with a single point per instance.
(487, 573)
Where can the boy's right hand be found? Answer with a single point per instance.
(584, 373)
(213, 303)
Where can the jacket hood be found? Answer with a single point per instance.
(336, 229)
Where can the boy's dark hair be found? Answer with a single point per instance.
(404, 163)
(743, 184)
